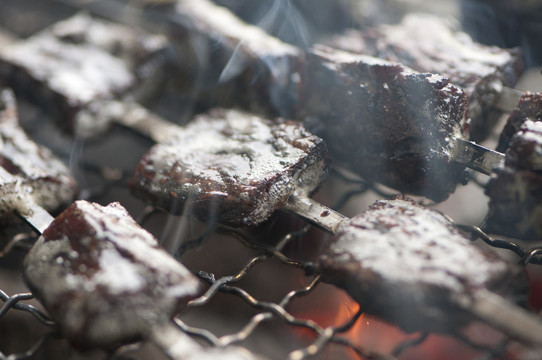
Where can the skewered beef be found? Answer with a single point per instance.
(103, 278)
(515, 190)
(232, 167)
(408, 265)
(72, 65)
(426, 43)
(529, 108)
(386, 122)
(506, 23)
(232, 62)
(39, 174)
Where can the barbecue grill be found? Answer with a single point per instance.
(268, 281)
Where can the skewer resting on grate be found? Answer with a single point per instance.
(428, 43)
(410, 265)
(28, 170)
(236, 168)
(77, 68)
(106, 282)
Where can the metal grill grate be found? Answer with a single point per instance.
(323, 337)
(103, 183)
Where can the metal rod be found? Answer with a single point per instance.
(16, 197)
(498, 312)
(476, 156)
(508, 99)
(314, 212)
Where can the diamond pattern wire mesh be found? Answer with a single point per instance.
(322, 337)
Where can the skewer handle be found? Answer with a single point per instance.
(136, 117)
(508, 99)
(476, 156)
(20, 201)
(314, 212)
(505, 316)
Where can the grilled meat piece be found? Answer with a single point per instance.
(232, 167)
(426, 43)
(386, 122)
(515, 190)
(39, 173)
(407, 265)
(73, 64)
(529, 108)
(103, 278)
(227, 57)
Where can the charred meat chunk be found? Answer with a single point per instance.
(103, 278)
(386, 122)
(232, 62)
(426, 43)
(515, 189)
(529, 108)
(38, 173)
(406, 264)
(232, 167)
(73, 64)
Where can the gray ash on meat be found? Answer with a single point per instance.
(515, 189)
(73, 64)
(406, 264)
(386, 122)
(427, 43)
(231, 166)
(104, 279)
(38, 174)
(529, 108)
(233, 63)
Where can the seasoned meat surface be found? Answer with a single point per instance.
(404, 263)
(427, 43)
(386, 122)
(72, 64)
(37, 172)
(103, 278)
(515, 189)
(234, 63)
(231, 166)
(529, 108)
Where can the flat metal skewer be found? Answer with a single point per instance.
(476, 157)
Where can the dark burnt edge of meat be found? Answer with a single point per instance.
(415, 302)
(515, 189)
(143, 56)
(104, 279)
(232, 63)
(47, 180)
(529, 107)
(225, 199)
(385, 122)
(420, 32)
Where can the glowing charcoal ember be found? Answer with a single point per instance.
(515, 189)
(529, 107)
(228, 57)
(410, 266)
(426, 43)
(386, 122)
(28, 170)
(232, 167)
(103, 278)
(74, 64)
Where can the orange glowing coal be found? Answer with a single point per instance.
(330, 306)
